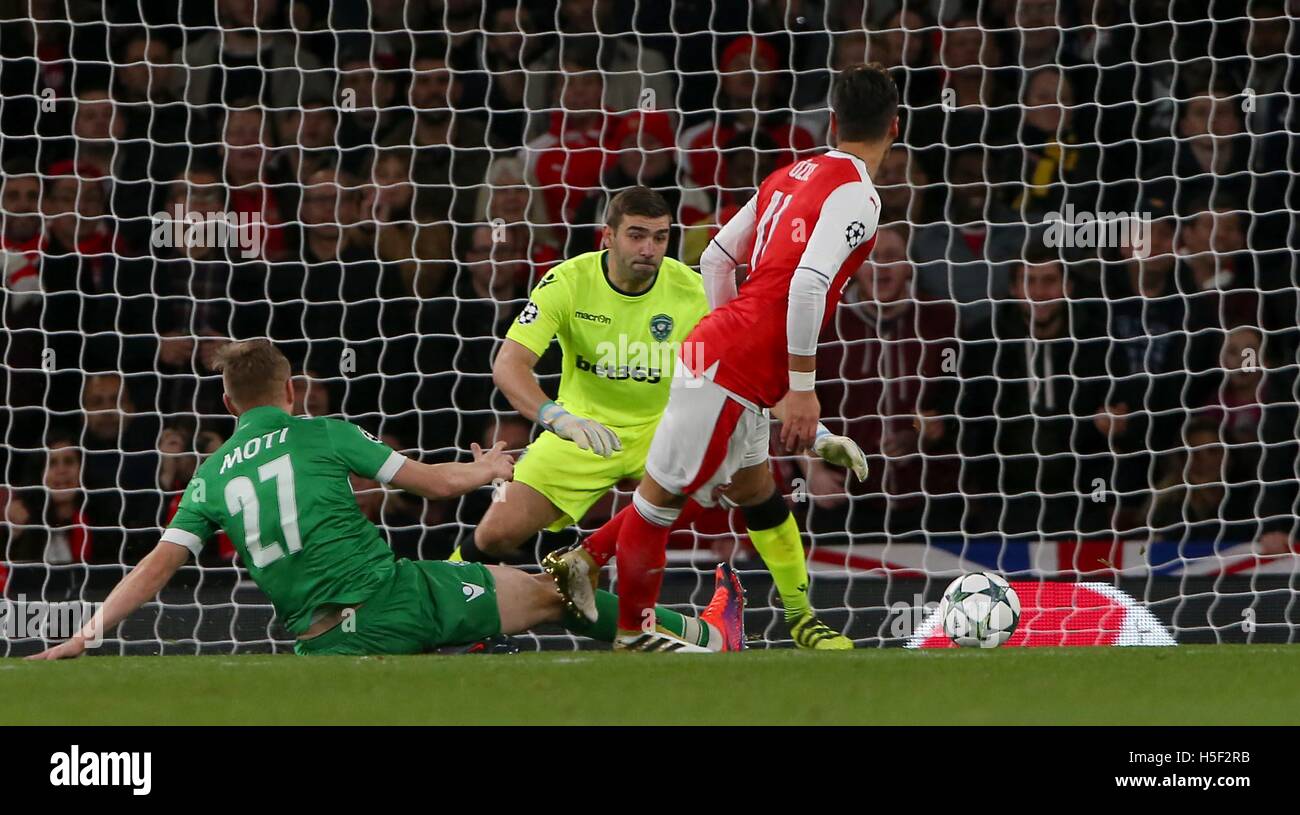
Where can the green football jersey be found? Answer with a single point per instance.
(619, 348)
(279, 489)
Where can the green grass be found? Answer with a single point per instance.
(1188, 685)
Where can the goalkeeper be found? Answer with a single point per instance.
(620, 314)
(279, 489)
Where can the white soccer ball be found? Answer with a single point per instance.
(979, 609)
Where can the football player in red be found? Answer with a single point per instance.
(809, 227)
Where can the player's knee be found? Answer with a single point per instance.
(656, 513)
(495, 539)
(751, 486)
(765, 513)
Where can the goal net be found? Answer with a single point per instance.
(1071, 359)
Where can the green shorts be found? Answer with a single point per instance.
(427, 604)
(572, 478)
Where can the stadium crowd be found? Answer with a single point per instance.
(403, 173)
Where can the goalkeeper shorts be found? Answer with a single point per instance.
(705, 437)
(427, 604)
(572, 478)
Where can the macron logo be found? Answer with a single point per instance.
(90, 769)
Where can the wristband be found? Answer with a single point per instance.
(541, 413)
(803, 380)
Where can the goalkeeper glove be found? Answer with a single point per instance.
(586, 433)
(841, 451)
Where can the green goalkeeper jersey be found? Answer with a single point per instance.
(619, 349)
(279, 489)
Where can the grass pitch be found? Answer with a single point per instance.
(1223, 684)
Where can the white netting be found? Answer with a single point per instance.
(377, 186)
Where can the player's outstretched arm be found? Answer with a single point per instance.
(438, 481)
(513, 374)
(139, 586)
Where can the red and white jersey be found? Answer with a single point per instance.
(809, 227)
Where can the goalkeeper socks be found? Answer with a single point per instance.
(642, 553)
(691, 629)
(601, 544)
(776, 537)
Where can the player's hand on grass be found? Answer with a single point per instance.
(68, 649)
(842, 452)
(586, 433)
(799, 425)
(496, 462)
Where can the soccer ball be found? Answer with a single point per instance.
(979, 609)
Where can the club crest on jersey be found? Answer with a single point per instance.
(661, 327)
(528, 314)
(855, 232)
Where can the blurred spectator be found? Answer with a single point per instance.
(50, 525)
(253, 188)
(336, 305)
(1254, 411)
(635, 76)
(1164, 341)
(83, 265)
(492, 65)
(889, 360)
(567, 162)
(247, 58)
(748, 101)
(973, 108)
(1045, 411)
(1217, 271)
(1056, 167)
(644, 155)
(450, 149)
(1270, 68)
(964, 257)
(308, 140)
(400, 234)
(372, 91)
(1208, 155)
(751, 157)
(311, 395)
(458, 339)
(21, 237)
(156, 130)
(97, 127)
(196, 283)
(904, 189)
(515, 212)
(120, 457)
(1206, 496)
(904, 43)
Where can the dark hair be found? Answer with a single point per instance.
(865, 102)
(641, 201)
(1041, 255)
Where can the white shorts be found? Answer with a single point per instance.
(705, 437)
